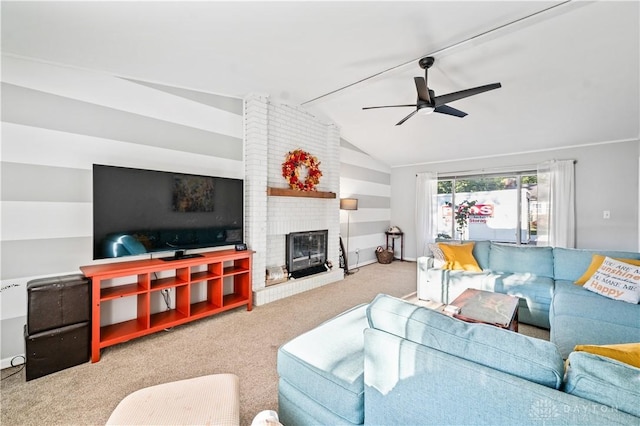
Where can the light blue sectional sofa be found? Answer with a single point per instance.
(392, 362)
(543, 278)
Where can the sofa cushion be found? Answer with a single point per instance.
(436, 251)
(629, 353)
(570, 264)
(580, 317)
(116, 245)
(481, 250)
(532, 359)
(604, 381)
(523, 259)
(326, 364)
(411, 384)
(528, 286)
(459, 257)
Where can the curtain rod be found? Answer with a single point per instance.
(523, 168)
(485, 171)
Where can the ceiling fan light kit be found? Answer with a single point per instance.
(425, 110)
(428, 102)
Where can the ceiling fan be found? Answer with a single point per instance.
(427, 101)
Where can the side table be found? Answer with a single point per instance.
(393, 236)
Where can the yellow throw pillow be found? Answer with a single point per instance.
(629, 353)
(596, 261)
(459, 257)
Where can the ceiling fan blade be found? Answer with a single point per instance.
(450, 97)
(390, 106)
(406, 118)
(446, 109)
(423, 91)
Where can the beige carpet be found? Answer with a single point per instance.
(239, 342)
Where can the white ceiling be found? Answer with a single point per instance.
(570, 75)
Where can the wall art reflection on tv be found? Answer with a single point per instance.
(193, 194)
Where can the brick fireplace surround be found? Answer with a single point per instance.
(273, 129)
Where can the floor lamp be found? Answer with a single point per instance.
(348, 204)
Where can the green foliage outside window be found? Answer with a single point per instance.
(485, 184)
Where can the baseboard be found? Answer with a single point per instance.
(371, 261)
(17, 360)
(364, 263)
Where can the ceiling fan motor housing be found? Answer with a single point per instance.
(426, 62)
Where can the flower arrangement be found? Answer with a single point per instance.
(294, 161)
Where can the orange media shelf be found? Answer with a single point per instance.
(202, 286)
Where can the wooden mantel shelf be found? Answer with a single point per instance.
(286, 192)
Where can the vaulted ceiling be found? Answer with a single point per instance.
(570, 70)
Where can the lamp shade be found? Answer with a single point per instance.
(348, 204)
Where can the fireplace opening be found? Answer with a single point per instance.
(306, 253)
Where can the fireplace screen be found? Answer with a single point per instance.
(306, 252)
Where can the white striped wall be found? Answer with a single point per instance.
(118, 93)
(368, 180)
(58, 121)
(36, 148)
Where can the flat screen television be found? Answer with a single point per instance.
(138, 211)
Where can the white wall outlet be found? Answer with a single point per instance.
(606, 214)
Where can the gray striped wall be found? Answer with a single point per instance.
(369, 181)
(56, 123)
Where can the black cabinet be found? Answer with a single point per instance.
(54, 350)
(57, 333)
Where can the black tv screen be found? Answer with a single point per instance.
(139, 211)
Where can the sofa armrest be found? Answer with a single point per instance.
(432, 281)
(604, 380)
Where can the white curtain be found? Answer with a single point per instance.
(556, 199)
(426, 210)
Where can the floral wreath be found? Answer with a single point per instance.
(291, 170)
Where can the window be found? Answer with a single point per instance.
(501, 208)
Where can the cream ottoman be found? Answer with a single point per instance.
(210, 400)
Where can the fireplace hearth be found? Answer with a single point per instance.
(306, 253)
